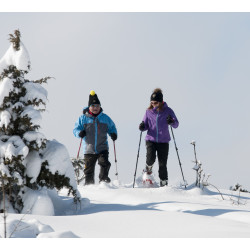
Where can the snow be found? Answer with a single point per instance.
(33, 165)
(9, 206)
(14, 146)
(18, 178)
(32, 136)
(59, 160)
(4, 170)
(33, 114)
(34, 91)
(192, 142)
(196, 167)
(6, 87)
(27, 229)
(19, 58)
(18, 105)
(5, 118)
(37, 202)
(66, 234)
(109, 211)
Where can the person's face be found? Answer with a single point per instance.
(155, 104)
(95, 108)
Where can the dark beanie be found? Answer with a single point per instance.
(93, 98)
(157, 96)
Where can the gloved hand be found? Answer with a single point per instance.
(170, 120)
(82, 133)
(86, 110)
(142, 126)
(113, 136)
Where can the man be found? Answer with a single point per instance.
(93, 126)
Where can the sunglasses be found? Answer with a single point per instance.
(154, 103)
(95, 105)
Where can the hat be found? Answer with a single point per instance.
(157, 96)
(93, 98)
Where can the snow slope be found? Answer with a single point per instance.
(109, 211)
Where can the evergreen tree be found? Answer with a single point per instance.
(26, 157)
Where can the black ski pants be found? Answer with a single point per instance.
(90, 162)
(162, 154)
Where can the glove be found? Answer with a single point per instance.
(170, 120)
(142, 126)
(82, 133)
(86, 110)
(113, 136)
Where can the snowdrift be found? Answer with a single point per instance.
(112, 211)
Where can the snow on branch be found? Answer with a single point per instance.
(27, 158)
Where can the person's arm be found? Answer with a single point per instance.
(112, 131)
(78, 127)
(172, 117)
(145, 121)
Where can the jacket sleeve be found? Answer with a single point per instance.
(176, 122)
(111, 126)
(78, 127)
(145, 120)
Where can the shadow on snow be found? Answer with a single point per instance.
(97, 208)
(213, 212)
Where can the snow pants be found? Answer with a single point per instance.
(162, 154)
(89, 168)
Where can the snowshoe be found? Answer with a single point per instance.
(148, 179)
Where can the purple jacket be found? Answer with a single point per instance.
(156, 124)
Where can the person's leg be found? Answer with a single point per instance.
(89, 168)
(150, 156)
(104, 163)
(162, 153)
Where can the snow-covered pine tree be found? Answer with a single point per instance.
(28, 162)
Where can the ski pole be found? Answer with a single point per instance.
(79, 149)
(178, 156)
(115, 161)
(137, 159)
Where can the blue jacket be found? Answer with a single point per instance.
(96, 129)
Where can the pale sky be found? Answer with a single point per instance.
(200, 60)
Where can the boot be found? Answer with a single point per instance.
(103, 176)
(105, 179)
(163, 183)
(89, 180)
(148, 169)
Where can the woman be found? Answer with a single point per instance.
(156, 120)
